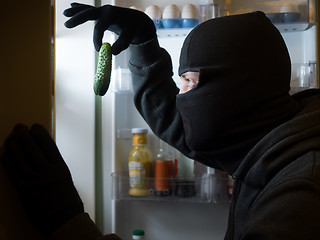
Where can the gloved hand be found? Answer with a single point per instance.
(132, 26)
(41, 177)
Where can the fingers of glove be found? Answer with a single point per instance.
(24, 151)
(82, 17)
(49, 149)
(97, 36)
(76, 4)
(102, 25)
(46, 144)
(121, 43)
(76, 8)
(14, 173)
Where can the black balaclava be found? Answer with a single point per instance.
(243, 87)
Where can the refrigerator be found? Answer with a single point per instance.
(94, 133)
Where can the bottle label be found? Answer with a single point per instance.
(137, 174)
(139, 139)
(163, 173)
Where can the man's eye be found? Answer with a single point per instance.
(186, 80)
(191, 83)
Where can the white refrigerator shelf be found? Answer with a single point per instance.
(205, 189)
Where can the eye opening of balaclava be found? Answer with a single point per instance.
(243, 86)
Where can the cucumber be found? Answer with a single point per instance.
(103, 73)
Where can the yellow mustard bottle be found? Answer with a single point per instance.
(140, 164)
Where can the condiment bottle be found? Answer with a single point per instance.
(163, 170)
(138, 234)
(140, 163)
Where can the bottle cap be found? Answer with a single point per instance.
(139, 130)
(137, 234)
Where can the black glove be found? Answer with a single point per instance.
(41, 177)
(131, 25)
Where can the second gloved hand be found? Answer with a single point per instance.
(41, 178)
(132, 26)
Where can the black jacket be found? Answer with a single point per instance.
(277, 192)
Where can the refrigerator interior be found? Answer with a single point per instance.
(94, 134)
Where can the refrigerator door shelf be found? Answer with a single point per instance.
(304, 76)
(293, 27)
(122, 81)
(173, 32)
(282, 27)
(205, 189)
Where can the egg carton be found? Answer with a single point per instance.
(172, 16)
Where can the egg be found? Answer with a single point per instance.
(189, 11)
(153, 11)
(171, 11)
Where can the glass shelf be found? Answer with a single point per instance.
(205, 189)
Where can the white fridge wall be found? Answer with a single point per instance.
(301, 45)
(74, 99)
